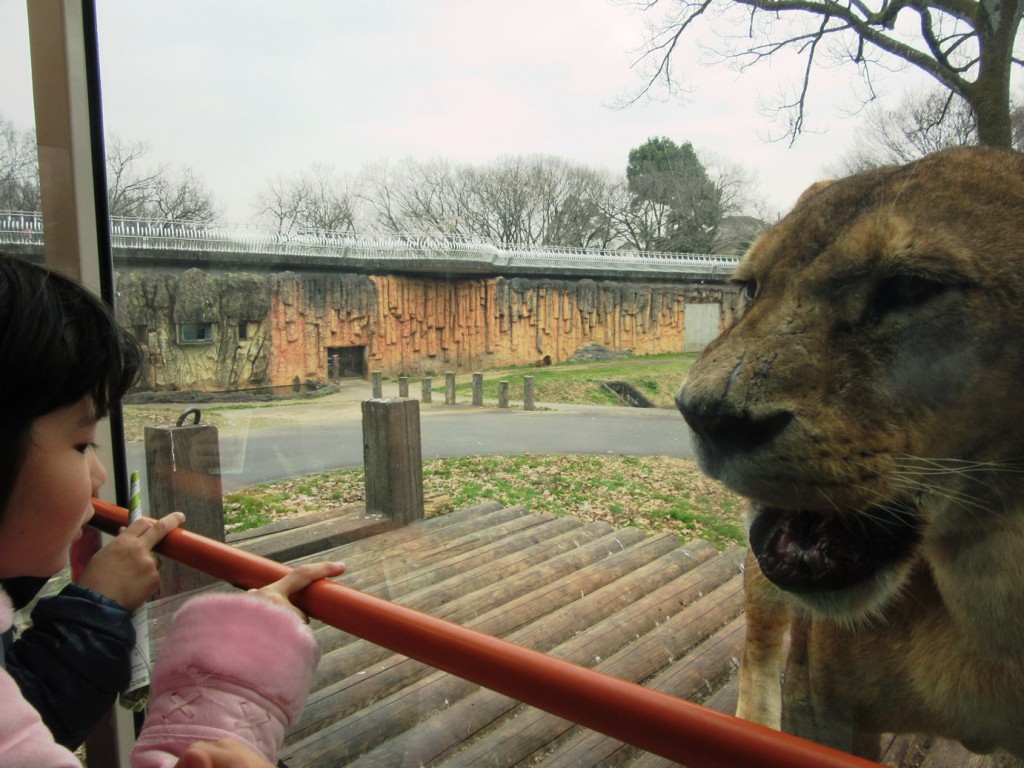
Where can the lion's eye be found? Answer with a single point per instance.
(748, 289)
(902, 292)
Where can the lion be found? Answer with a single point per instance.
(868, 399)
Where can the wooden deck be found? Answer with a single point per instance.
(640, 607)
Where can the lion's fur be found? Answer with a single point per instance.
(924, 402)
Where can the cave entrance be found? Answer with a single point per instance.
(346, 363)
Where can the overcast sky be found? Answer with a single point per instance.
(245, 90)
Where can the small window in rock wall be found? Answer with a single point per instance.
(141, 333)
(243, 331)
(195, 333)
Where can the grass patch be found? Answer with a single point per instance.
(251, 509)
(655, 493)
(656, 376)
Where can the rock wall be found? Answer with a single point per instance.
(154, 307)
(424, 326)
(311, 313)
(276, 330)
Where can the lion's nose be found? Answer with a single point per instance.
(725, 431)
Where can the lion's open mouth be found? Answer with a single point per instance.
(805, 551)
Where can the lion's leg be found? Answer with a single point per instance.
(767, 617)
(805, 705)
(798, 699)
(812, 708)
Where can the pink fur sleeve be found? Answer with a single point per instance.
(233, 665)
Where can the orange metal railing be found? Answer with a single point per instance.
(653, 721)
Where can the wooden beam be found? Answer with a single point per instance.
(183, 470)
(393, 458)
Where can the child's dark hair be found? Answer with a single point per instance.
(58, 343)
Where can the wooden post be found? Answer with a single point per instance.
(403, 386)
(528, 404)
(426, 389)
(183, 473)
(393, 459)
(503, 388)
(478, 389)
(378, 386)
(449, 388)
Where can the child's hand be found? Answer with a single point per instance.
(225, 753)
(126, 569)
(296, 581)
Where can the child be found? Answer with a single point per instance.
(235, 669)
(75, 658)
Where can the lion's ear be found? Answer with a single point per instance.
(814, 189)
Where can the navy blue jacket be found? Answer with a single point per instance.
(74, 659)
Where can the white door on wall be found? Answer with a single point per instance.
(702, 322)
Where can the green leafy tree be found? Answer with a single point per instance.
(674, 203)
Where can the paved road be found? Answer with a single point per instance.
(327, 434)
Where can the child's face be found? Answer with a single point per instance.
(51, 499)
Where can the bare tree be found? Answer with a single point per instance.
(130, 190)
(330, 200)
(153, 193)
(156, 192)
(312, 200)
(184, 197)
(736, 188)
(643, 224)
(278, 204)
(520, 200)
(1017, 126)
(968, 46)
(504, 198)
(539, 200)
(922, 123)
(577, 216)
(19, 169)
(421, 198)
(736, 185)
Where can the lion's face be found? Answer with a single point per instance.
(868, 396)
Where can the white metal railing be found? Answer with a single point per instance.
(20, 227)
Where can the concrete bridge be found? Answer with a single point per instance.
(140, 244)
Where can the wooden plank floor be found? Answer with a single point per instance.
(641, 607)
